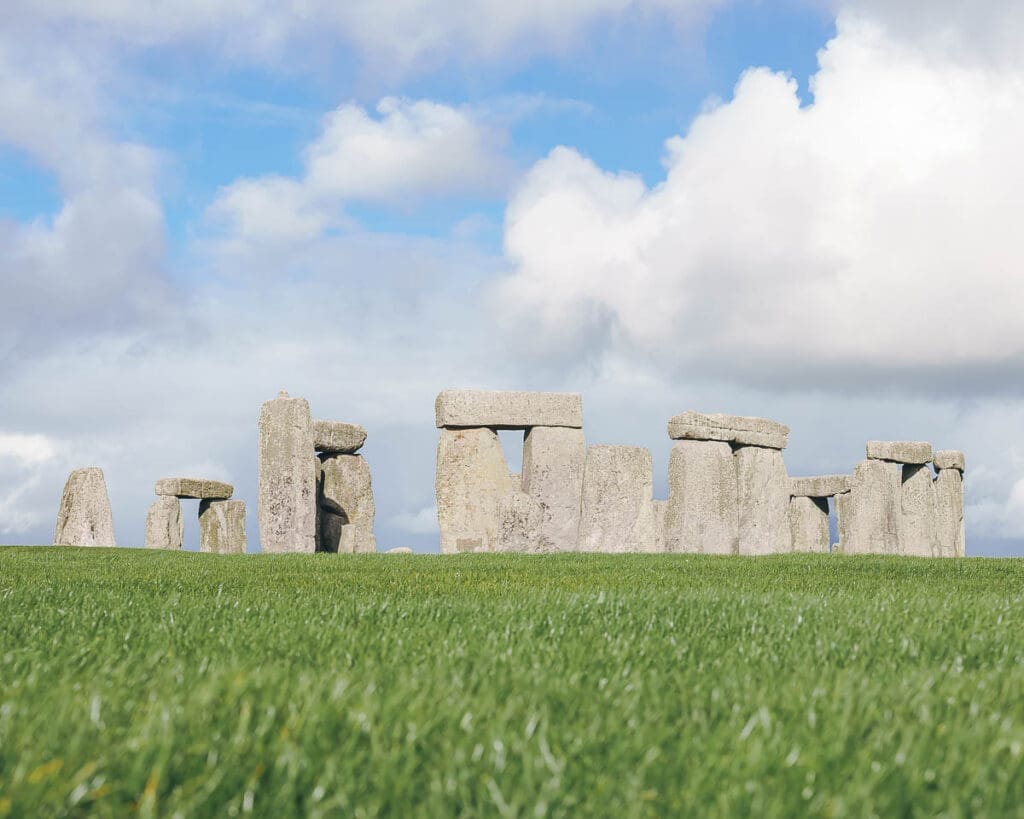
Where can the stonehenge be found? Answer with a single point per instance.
(84, 517)
(221, 519)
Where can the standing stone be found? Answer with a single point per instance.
(553, 462)
(808, 524)
(869, 514)
(702, 513)
(618, 501)
(520, 525)
(949, 509)
(762, 488)
(917, 529)
(222, 527)
(287, 476)
(472, 478)
(660, 510)
(165, 528)
(347, 507)
(84, 517)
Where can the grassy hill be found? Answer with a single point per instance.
(508, 685)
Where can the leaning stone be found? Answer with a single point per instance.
(618, 501)
(553, 461)
(949, 513)
(734, 429)
(508, 410)
(337, 437)
(195, 488)
(869, 514)
(702, 514)
(399, 550)
(520, 525)
(917, 512)
(762, 488)
(84, 517)
(222, 527)
(948, 459)
(165, 528)
(820, 486)
(808, 523)
(472, 478)
(287, 476)
(902, 452)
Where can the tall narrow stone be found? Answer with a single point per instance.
(949, 507)
(553, 461)
(84, 517)
(762, 488)
(222, 527)
(472, 478)
(702, 514)
(347, 508)
(165, 528)
(287, 476)
(617, 513)
(917, 523)
(869, 514)
(808, 523)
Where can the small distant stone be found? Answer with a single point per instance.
(399, 550)
(196, 488)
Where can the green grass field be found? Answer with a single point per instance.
(508, 685)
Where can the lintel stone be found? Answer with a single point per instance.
(901, 452)
(198, 488)
(948, 459)
(733, 429)
(338, 437)
(819, 486)
(508, 410)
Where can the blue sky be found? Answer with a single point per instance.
(801, 210)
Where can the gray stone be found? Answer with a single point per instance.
(165, 528)
(660, 510)
(84, 517)
(617, 512)
(902, 452)
(357, 539)
(508, 410)
(195, 488)
(819, 486)
(869, 515)
(347, 508)
(472, 478)
(733, 429)
(948, 459)
(703, 508)
(337, 437)
(520, 525)
(399, 550)
(917, 512)
(808, 523)
(949, 513)
(222, 527)
(762, 489)
(553, 462)
(287, 476)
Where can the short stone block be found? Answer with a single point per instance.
(508, 410)
(948, 459)
(194, 488)
(222, 527)
(901, 452)
(165, 528)
(819, 486)
(337, 437)
(733, 429)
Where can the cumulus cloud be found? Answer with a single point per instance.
(867, 237)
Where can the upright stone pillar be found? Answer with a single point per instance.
(808, 520)
(222, 527)
(287, 476)
(617, 513)
(165, 528)
(347, 508)
(917, 522)
(869, 515)
(702, 514)
(949, 503)
(553, 461)
(762, 490)
(84, 517)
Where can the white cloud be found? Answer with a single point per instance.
(421, 522)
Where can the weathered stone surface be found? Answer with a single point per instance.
(762, 489)
(734, 429)
(165, 528)
(948, 459)
(195, 488)
(84, 517)
(917, 512)
(949, 513)
(903, 452)
(399, 550)
(869, 513)
(337, 437)
(703, 508)
(660, 511)
(287, 476)
(472, 478)
(617, 513)
(357, 539)
(347, 506)
(520, 525)
(222, 527)
(808, 523)
(508, 410)
(819, 486)
(553, 462)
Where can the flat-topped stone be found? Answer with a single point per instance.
(901, 452)
(948, 459)
(197, 488)
(508, 410)
(819, 486)
(338, 437)
(733, 429)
